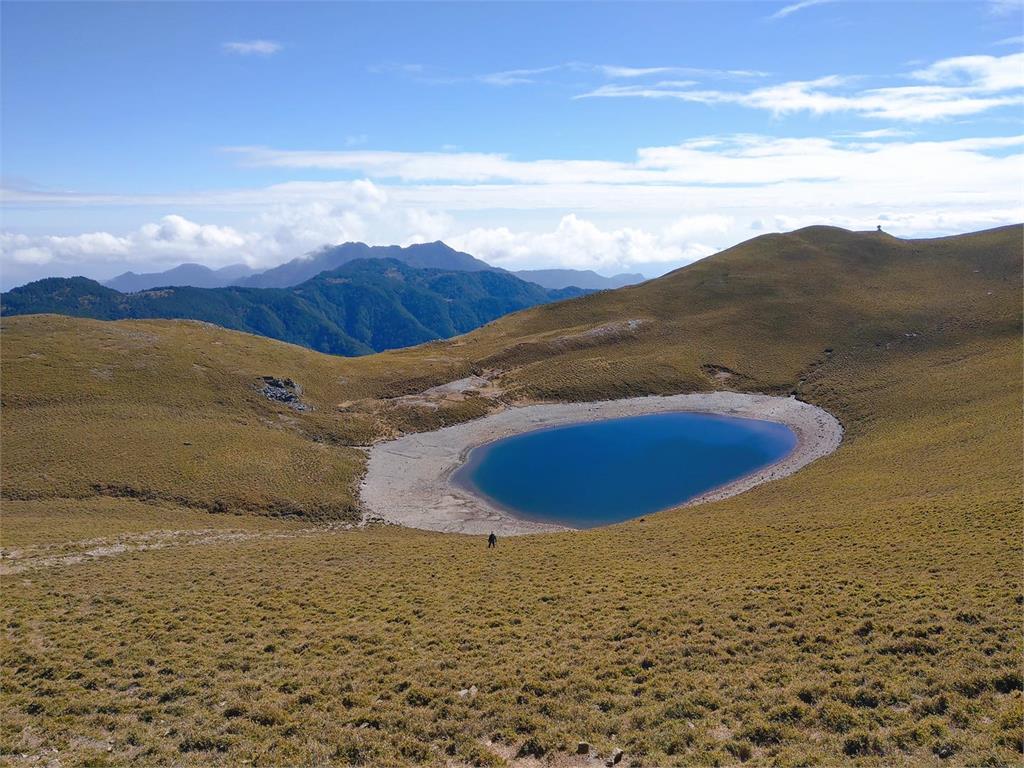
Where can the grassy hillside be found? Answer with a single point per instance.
(364, 306)
(866, 609)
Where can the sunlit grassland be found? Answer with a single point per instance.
(868, 608)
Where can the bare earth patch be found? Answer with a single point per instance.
(21, 559)
(408, 480)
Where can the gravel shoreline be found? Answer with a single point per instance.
(408, 480)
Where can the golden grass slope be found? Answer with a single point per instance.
(170, 410)
(865, 610)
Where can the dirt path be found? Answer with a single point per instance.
(20, 559)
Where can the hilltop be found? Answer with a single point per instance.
(364, 306)
(865, 609)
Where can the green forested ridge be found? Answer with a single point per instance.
(364, 306)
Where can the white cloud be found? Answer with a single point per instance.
(291, 229)
(174, 231)
(687, 228)
(619, 72)
(532, 75)
(955, 87)
(987, 74)
(877, 133)
(1005, 7)
(392, 67)
(515, 76)
(171, 239)
(793, 8)
(428, 226)
(738, 159)
(580, 244)
(1017, 40)
(610, 70)
(285, 226)
(252, 47)
(666, 206)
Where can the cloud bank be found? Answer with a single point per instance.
(666, 207)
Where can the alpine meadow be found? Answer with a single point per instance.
(346, 349)
(867, 608)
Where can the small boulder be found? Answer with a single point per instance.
(614, 759)
(582, 748)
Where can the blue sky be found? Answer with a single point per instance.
(608, 136)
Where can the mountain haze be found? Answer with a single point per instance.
(195, 275)
(435, 255)
(581, 278)
(422, 256)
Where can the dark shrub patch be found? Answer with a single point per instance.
(204, 744)
(1007, 683)
(532, 747)
(862, 744)
(762, 733)
(741, 750)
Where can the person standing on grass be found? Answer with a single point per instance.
(492, 541)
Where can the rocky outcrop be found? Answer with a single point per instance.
(284, 391)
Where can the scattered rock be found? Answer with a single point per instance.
(582, 748)
(468, 693)
(945, 751)
(284, 391)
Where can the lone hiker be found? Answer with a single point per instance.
(492, 541)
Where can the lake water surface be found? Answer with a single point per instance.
(601, 472)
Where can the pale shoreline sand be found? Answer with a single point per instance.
(408, 480)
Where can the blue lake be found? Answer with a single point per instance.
(601, 472)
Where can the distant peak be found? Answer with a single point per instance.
(434, 244)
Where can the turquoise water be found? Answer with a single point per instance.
(601, 472)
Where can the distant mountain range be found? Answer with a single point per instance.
(365, 305)
(581, 278)
(423, 256)
(195, 275)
